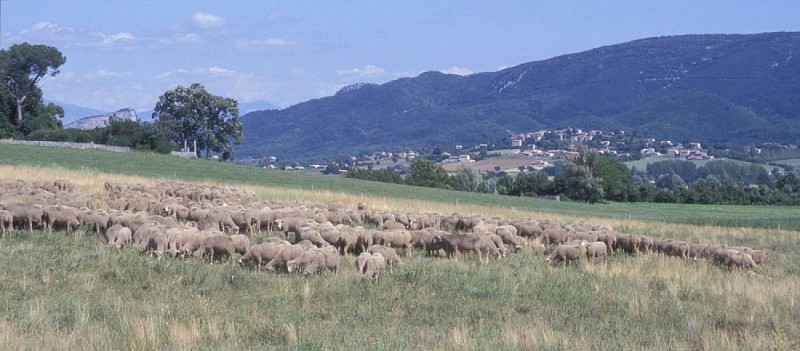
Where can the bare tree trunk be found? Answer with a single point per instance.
(20, 103)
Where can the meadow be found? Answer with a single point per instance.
(54, 161)
(71, 291)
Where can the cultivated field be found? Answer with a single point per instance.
(71, 291)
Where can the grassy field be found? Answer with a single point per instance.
(154, 166)
(642, 164)
(70, 291)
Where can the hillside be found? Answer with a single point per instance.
(711, 88)
(100, 121)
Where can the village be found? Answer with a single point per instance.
(526, 151)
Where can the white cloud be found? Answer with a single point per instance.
(207, 20)
(48, 27)
(461, 71)
(191, 38)
(254, 44)
(368, 70)
(199, 71)
(114, 38)
(45, 32)
(102, 73)
(217, 70)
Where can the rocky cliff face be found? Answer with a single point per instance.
(101, 121)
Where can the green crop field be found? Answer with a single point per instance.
(72, 291)
(642, 164)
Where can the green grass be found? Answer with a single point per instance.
(73, 292)
(795, 162)
(168, 167)
(642, 163)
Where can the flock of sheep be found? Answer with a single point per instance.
(215, 223)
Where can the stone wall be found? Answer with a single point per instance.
(183, 154)
(82, 146)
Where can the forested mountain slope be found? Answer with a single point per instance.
(711, 88)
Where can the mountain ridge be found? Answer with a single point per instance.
(712, 88)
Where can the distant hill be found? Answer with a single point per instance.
(253, 106)
(74, 112)
(92, 122)
(714, 89)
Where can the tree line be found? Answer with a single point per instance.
(591, 177)
(183, 116)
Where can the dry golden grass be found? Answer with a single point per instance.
(694, 304)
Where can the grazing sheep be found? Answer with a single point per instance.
(734, 259)
(311, 260)
(424, 239)
(316, 258)
(506, 228)
(262, 253)
(759, 256)
(329, 233)
(585, 236)
(388, 253)
(311, 235)
(464, 243)
(244, 219)
(556, 236)
(216, 247)
(361, 262)
(610, 239)
(373, 266)
(509, 238)
(698, 250)
(427, 220)
(118, 235)
(145, 230)
(527, 229)
(275, 239)
(676, 248)
(629, 243)
(241, 243)
(294, 225)
(97, 219)
(61, 218)
(153, 242)
(393, 225)
(286, 254)
(348, 237)
(212, 244)
(596, 250)
(178, 238)
(497, 241)
(395, 238)
(27, 214)
(645, 244)
(223, 219)
(364, 239)
(6, 221)
(568, 253)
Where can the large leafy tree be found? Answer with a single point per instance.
(427, 173)
(615, 178)
(192, 114)
(578, 181)
(21, 68)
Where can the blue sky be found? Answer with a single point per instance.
(127, 53)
